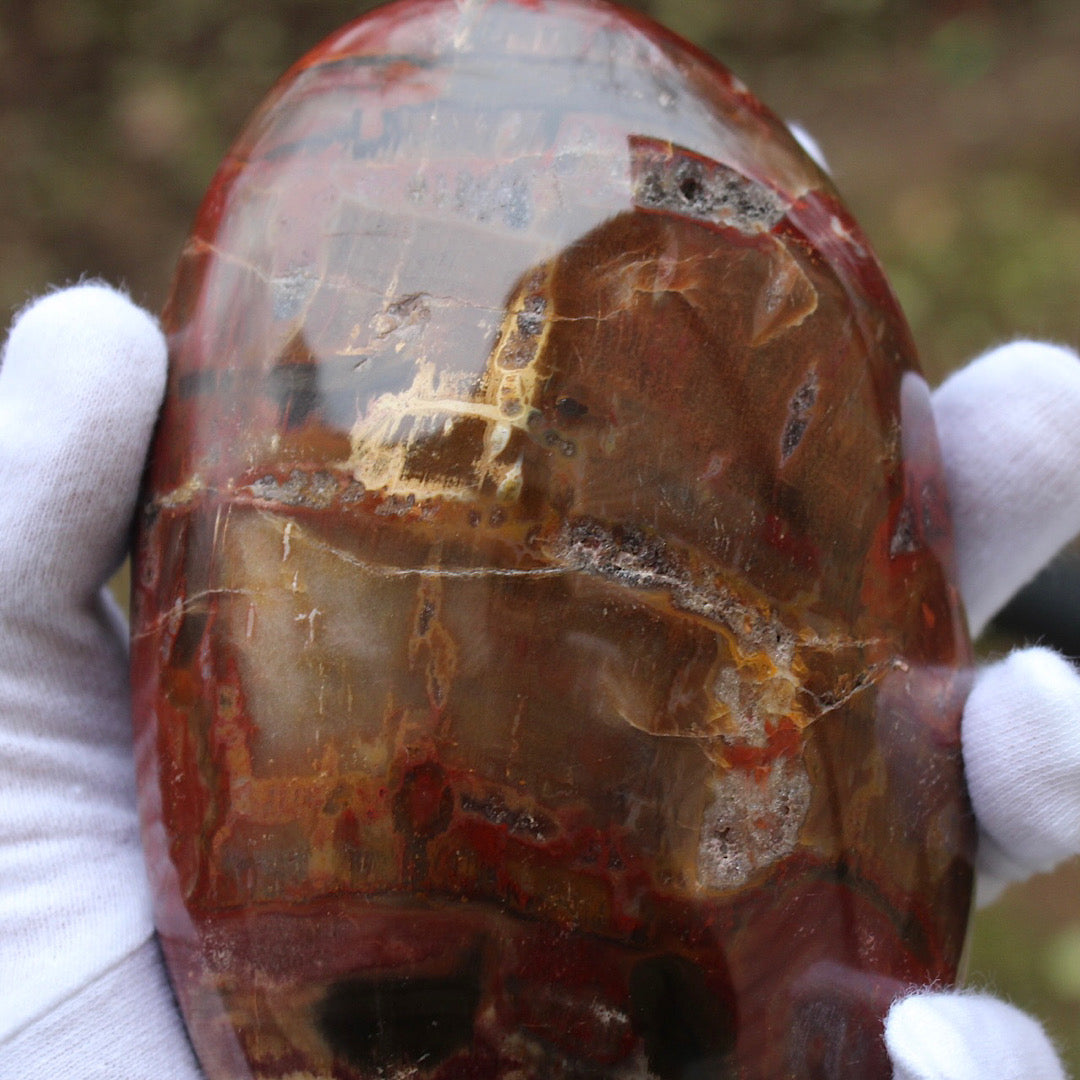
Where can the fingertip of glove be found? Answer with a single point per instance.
(1021, 743)
(967, 1036)
(1031, 698)
(87, 299)
(1012, 384)
(1022, 364)
(81, 381)
(86, 334)
(1040, 667)
(1009, 443)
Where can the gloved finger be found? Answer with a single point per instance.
(124, 1024)
(1021, 743)
(959, 1036)
(1010, 443)
(80, 384)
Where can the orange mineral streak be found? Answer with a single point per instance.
(546, 656)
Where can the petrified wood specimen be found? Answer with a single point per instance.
(546, 656)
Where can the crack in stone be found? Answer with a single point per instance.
(871, 676)
(184, 607)
(643, 565)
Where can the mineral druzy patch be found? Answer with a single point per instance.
(546, 658)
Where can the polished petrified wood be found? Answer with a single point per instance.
(546, 657)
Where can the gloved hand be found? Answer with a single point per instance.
(1011, 448)
(82, 990)
(83, 993)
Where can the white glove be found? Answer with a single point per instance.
(82, 991)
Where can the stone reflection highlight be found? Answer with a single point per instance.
(546, 656)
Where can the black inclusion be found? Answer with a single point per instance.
(296, 389)
(399, 1020)
(687, 1030)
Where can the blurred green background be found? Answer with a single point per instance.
(952, 127)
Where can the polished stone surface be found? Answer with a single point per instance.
(547, 661)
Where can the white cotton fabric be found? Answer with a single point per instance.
(122, 1025)
(1010, 441)
(1021, 739)
(1009, 425)
(967, 1037)
(80, 382)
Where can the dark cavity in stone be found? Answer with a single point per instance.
(372, 1021)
